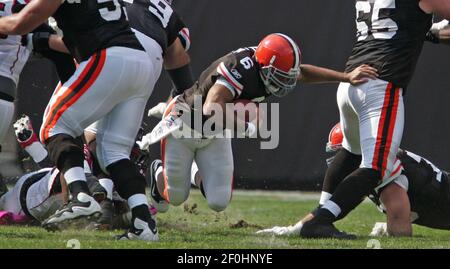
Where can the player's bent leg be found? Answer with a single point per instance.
(177, 157)
(380, 110)
(343, 164)
(83, 99)
(215, 163)
(348, 158)
(115, 137)
(28, 140)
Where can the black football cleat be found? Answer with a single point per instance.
(315, 230)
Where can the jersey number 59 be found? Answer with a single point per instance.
(111, 10)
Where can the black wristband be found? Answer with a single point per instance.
(182, 78)
(432, 37)
(40, 42)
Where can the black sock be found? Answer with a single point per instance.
(77, 187)
(46, 162)
(343, 164)
(351, 192)
(322, 215)
(141, 212)
(127, 179)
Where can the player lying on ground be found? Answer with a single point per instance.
(37, 195)
(417, 192)
(372, 114)
(251, 74)
(109, 53)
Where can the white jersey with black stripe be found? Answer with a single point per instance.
(13, 55)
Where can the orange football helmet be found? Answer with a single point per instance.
(335, 139)
(279, 58)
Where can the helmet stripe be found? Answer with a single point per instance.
(294, 48)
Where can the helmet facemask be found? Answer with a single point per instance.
(278, 82)
(332, 148)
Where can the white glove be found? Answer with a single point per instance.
(440, 25)
(164, 128)
(379, 229)
(158, 110)
(143, 144)
(278, 230)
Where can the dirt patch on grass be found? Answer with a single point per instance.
(190, 209)
(244, 224)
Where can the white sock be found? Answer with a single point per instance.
(324, 197)
(74, 174)
(108, 185)
(137, 200)
(37, 152)
(332, 207)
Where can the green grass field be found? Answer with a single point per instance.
(194, 225)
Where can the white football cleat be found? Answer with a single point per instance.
(81, 207)
(141, 230)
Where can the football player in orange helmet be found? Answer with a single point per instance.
(416, 192)
(252, 73)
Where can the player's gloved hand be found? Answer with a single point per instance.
(144, 144)
(279, 230)
(440, 25)
(158, 110)
(433, 35)
(379, 229)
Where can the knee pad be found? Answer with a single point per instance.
(65, 151)
(127, 179)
